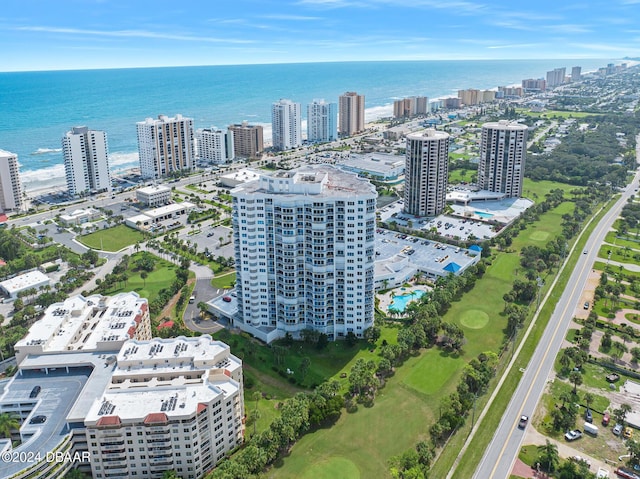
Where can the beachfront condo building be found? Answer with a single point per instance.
(286, 125)
(426, 172)
(215, 145)
(351, 113)
(534, 84)
(10, 184)
(248, 140)
(556, 77)
(86, 161)
(576, 74)
(165, 146)
(503, 150)
(322, 121)
(410, 107)
(304, 248)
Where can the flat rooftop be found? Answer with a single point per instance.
(24, 281)
(84, 323)
(430, 256)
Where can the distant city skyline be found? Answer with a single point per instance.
(73, 34)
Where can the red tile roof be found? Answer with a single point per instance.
(156, 418)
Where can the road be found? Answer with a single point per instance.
(501, 453)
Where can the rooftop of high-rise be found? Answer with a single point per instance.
(323, 180)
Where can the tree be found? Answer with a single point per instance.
(372, 334)
(202, 306)
(170, 474)
(304, 366)
(588, 399)
(575, 378)
(144, 275)
(8, 422)
(620, 414)
(548, 456)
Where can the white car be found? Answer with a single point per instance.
(602, 473)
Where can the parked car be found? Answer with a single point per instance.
(586, 305)
(605, 419)
(617, 429)
(226, 299)
(38, 419)
(34, 392)
(573, 435)
(627, 433)
(523, 422)
(588, 416)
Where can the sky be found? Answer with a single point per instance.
(80, 34)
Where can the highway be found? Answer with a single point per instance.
(501, 453)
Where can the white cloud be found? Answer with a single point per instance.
(133, 34)
(294, 18)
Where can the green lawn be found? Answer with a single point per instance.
(611, 239)
(538, 189)
(365, 439)
(111, 239)
(161, 277)
(224, 280)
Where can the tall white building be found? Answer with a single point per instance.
(86, 161)
(10, 184)
(351, 115)
(215, 145)
(165, 146)
(304, 245)
(426, 172)
(170, 404)
(503, 151)
(286, 125)
(555, 77)
(322, 121)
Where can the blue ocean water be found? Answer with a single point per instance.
(37, 108)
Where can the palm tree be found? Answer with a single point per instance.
(576, 379)
(8, 422)
(548, 455)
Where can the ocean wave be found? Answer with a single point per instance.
(377, 112)
(121, 159)
(44, 151)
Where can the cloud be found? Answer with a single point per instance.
(133, 34)
(302, 18)
(517, 45)
(460, 6)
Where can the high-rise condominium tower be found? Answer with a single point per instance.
(304, 245)
(10, 184)
(576, 74)
(248, 140)
(555, 77)
(165, 146)
(426, 172)
(322, 121)
(214, 145)
(503, 150)
(286, 121)
(351, 115)
(86, 161)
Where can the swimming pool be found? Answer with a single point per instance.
(483, 215)
(400, 302)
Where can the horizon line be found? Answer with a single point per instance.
(311, 63)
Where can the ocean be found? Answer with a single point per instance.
(39, 107)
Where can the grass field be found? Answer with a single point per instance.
(111, 239)
(224, 280)
(161, 277)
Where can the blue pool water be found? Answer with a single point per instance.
(483, 215)
(399, 303)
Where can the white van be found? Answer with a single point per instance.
(590, 428)
(192, 299)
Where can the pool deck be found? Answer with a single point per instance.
(386, 299)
